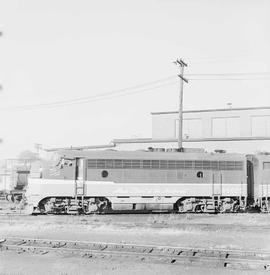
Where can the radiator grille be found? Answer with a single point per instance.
(164, 164)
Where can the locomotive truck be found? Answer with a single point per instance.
(156, 180)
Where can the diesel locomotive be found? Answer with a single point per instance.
(155, 180)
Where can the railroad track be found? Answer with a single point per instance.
(229, 259)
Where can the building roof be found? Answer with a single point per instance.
(155, 140)
(81, 147)
(213, 110)
(114, 142)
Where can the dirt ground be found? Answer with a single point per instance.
(224, 231)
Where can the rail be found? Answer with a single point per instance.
(228, 259)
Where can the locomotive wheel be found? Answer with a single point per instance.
(97, 205)
(221, 208)
(203, 208)
(180, 207)
(10, 197)
(236, 208)
(198, 209)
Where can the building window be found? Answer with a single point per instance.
(233, 127)
(226, 127)
(260, 126)
(192, 128)
(266, 165)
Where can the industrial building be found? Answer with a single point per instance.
(240, 130)
(243, 130)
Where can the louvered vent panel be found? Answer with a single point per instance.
(164, 164)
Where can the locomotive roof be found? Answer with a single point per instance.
(113, 154)
(261, 156)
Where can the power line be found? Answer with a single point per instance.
(229, 74)
(229, 78)
(224, 59)
(90, 99)
(119, 91)
(144, 87)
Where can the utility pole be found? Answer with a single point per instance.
(181, 65)
(38, 147)
(1, 87)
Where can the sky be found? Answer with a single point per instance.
(64, 50)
